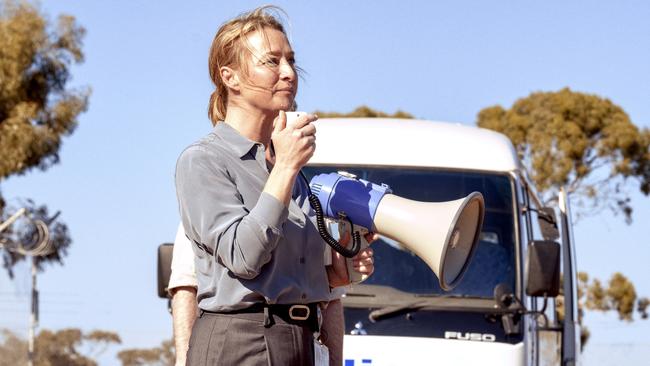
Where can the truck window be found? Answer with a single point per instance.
(494, 261)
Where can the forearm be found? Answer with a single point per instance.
(332, 331)
(184, 312)
(280, 183)
(250, 243)
(215, 216)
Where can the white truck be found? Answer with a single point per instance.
(505, 311)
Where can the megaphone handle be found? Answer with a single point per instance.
(354, 276)
(328, 249)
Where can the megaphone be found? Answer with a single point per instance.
(443, 234)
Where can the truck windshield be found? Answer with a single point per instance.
(494, 259)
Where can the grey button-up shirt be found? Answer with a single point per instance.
(262, 250)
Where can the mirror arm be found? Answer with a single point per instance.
(504, 298)
(540, 214)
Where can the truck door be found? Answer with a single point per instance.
(545, 333)
(571, 331)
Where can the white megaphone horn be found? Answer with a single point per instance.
(443, 234)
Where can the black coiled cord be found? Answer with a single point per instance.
(322, 227)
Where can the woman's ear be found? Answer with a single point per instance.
(230, 77)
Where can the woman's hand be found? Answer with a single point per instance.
(363, 262)
(295, 144)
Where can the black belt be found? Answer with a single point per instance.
(298, 314)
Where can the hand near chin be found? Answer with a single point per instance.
(294, 145)
(363, 262)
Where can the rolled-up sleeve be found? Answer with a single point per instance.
(214, 214)
(183, 270)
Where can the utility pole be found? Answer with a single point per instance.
(40, 245)
(34, 316)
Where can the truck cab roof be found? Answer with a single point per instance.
(412, 143)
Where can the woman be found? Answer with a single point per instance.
(260, 269)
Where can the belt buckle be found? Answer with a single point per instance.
(295, 316)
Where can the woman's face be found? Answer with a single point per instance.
(270, 83)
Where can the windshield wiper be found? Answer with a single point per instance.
(448, 296)
(459, 302)
(389, 311)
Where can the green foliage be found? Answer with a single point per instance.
(13, 349)
(622, 296)
(55, 348)
(619, 295)
(36, 109)
(578, 140)
(642, 307)
(363, 112)
(158, 356)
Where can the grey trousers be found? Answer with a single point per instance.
(243, 340)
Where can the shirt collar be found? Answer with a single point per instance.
(238, 143)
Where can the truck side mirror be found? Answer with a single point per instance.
(164, 268)
(548, 223)
(543, 268)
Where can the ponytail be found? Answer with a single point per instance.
(217, 107)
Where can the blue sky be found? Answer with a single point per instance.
(146, 62)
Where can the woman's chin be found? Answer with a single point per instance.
(285, 105)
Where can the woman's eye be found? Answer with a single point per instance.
(271, 62)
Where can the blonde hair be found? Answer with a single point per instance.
(228, 50)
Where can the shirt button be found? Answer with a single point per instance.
(302, 260)
(304, 296)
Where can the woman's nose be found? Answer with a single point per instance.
(287, 71)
